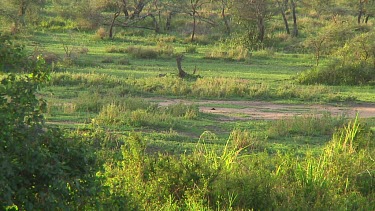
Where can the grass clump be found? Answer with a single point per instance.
(244, 139)
(140, 113)
(114, 49)
(81, 79)
(306, 125)
(142, 52)
(182, 110)
(161, 50)
(191, 49)
(237, 53)
(108, 60)
(100, 33)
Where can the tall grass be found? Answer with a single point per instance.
(140, 113)
(306, 125)
(207, 87)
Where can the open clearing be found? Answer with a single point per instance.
(258, 110)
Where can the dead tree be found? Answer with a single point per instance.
(181, 72)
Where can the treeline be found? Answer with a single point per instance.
(254, 18)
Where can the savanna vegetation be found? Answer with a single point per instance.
(101, 105)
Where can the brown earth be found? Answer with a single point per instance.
(252, 110)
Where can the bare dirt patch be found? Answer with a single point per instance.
(252, 110)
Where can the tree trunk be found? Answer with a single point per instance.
(112, 24)
(156, 24)
(168, 21)
(226, 22)
(366, 19)
(125, 9)
(295, 27)
(181, 72)
(22, 12)
(261, 29)
(194, 26)
(284, 17)
(138, 9)
(361, 12)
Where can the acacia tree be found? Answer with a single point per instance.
(224, 7)
(366, 9)
(283, 5)
(253, 13)
(17, 9)
(192, 9)
(133, 12)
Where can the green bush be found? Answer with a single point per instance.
(142, 52)
(354, 64)
(41, 168)
(236, 53)
(12, 55)
(191, 49)
(334, 74)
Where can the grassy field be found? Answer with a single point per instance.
(239, 119)
(106, 75)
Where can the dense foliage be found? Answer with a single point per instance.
(100, 167)
(41, 167)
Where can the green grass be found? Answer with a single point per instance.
(78, 93)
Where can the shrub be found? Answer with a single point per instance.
(165, 49)
(108, 60)
(354, 64)
(101, 33)
(243, 139)
(114, 49)
(237, 53)
(142, 52)
(123, 62)
(191, 49)
(339, 75)
(41, 168)
(12, 55)
(166, 39)
(182, 110)
(264, 53)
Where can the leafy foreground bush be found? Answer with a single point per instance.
(41, 168)
(44, 169)
(341, 178)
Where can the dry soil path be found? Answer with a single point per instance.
(248, 110)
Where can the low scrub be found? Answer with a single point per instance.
(209, 179)
(81, 79)
(238, 53)
(355, 74)
(161, 50)
(140, 113)
(306, 125)
(354, 64)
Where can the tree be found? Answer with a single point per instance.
(192, 8)
(132, 12)
(295, 27)
(224, 6)
(283, 7)
(253, 13)
(366, 9)
(18, 9)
